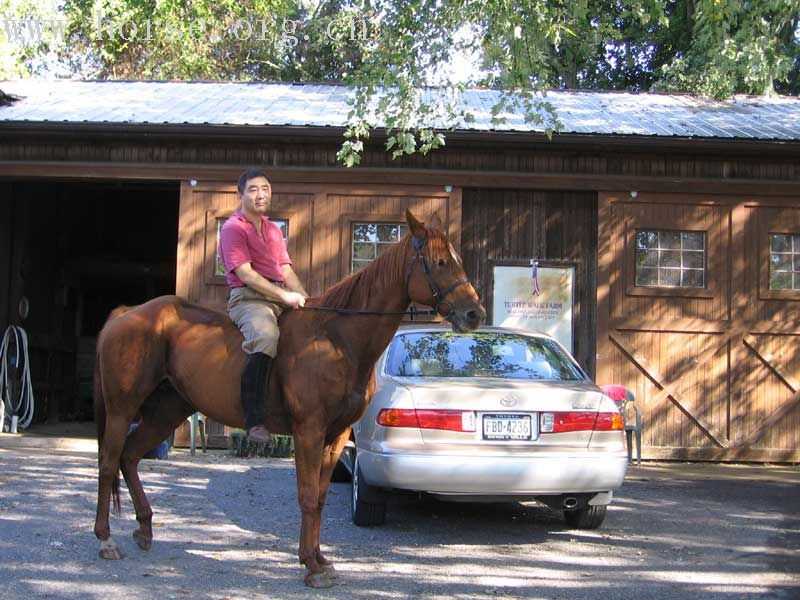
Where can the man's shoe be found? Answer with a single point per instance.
(258, 435)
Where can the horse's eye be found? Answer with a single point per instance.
(441, 262)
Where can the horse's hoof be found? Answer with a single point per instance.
(320, 580)
(142, 541)
(109, 551)
(330, 571)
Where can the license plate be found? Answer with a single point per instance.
(507, 427)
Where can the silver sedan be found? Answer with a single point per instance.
(491, 415)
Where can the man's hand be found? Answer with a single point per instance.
(293, 299)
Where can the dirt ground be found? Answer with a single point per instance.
(227, 528)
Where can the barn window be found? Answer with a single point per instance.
(784, 261)
(219, 268)
(370, 240)
(671, 258)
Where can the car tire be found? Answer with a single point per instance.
(368, 504)
(340, 474)
(590, 517)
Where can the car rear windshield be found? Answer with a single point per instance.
(480, 354)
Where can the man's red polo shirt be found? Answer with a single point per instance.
(240, 243)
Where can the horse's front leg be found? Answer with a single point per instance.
(308, 446)
(330, 456)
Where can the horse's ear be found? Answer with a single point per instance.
(417, 227)
(435, 222)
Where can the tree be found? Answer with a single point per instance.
(748, 47)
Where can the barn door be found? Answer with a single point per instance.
(688, 321)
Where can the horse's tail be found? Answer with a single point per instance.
(100, 419)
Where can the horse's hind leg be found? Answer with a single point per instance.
(116, 430)
(162, 412)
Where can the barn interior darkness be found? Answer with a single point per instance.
(76, 250)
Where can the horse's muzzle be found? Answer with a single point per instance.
(464, 320)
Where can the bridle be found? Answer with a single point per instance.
(438, 295)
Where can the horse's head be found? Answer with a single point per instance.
(436, 277)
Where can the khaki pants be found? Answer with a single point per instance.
(257, 318)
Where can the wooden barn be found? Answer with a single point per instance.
(678, 218)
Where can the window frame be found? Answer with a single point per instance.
(704, 251)
(346, 227)
(774, 222)
(690, 221)
(401, 223)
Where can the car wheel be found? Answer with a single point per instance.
(340, 473)
(590, 517)
(368, 505)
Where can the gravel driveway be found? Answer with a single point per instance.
(227, 528)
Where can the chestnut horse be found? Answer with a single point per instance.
(167, 358)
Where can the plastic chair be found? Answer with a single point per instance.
(631, 415)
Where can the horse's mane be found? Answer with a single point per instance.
(355, 290)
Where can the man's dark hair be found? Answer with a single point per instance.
(249, 174)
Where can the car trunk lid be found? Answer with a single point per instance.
(504, 412)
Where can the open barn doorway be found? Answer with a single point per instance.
(71, 251)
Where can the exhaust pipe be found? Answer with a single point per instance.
(569, 502)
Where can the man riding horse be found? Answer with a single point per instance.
(169, 357)
(259, 272)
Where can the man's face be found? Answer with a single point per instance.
(257, 196)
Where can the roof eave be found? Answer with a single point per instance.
(217, 132)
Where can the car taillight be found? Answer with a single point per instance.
(449, 420)
(563, 422)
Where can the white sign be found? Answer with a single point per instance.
(535, 298)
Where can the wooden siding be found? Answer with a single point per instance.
(487, 160)
(549, 225)
(716, 370)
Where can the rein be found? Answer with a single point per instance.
(355, 311)
(438, 295)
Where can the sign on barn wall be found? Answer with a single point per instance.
(538, 297)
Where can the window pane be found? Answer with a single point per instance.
(780, 262)
(364, 232)
(669, 239)
(283, 225)
(693, 260)
(388, 233)
(647, 258)
(363, 251)
(796, 281)
(670, 258)
(669, 277)
(646, 240)
(358, 265)
(780, 243)
(647, 277)
(780, 281)
(692, 278)
(693, 240)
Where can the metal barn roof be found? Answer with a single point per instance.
(286, 104)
